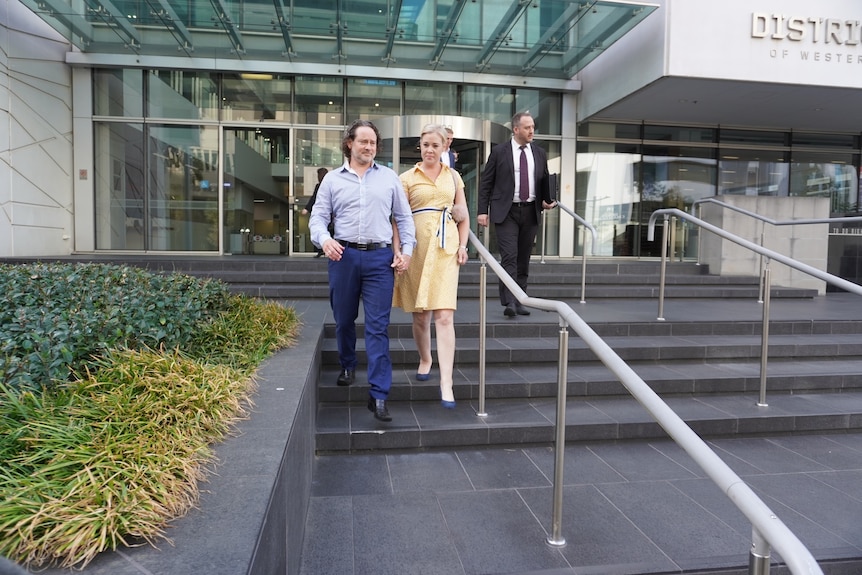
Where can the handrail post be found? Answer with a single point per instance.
(556, 539)
(762, 226)
(683, 230)
(672, 244)
(764, 338)
(699, 235)
(483, 326)
(544, 233)
(663, 267)
(758, 559)
(584, 267)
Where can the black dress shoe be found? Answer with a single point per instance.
(510, 310)
(378, 408)
(346, 377)
(521, 310)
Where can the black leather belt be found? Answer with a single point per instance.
(523, 204)
(364, 247)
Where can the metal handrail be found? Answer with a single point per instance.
(765, 288)
(767, 529)
(790, 262)
(595, 242)
(767, 220)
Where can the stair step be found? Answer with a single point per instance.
(658, 349)
(425, 424)
(595, 380)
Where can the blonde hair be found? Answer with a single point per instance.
(435, 129)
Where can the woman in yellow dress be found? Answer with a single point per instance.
(430, 286)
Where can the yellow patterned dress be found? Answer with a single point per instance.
(431, 281)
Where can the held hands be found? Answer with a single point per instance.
(462, 256)
(548, 206)
(400, 263)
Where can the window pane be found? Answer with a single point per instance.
(753, 172)
(607, 197)
(369, 98)
(182, 201)
(679, 134)
(546, 108)
(430, 98)
(182, 94)
(487, 103)
(319, 101)
(118, 93)
(825, 175)
(840, 141)
(119, 187)
(758, 137)
(551, 237)
(616, 131)
(256, 174)
(256, 97)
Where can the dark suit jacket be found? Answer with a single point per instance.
(497, 185)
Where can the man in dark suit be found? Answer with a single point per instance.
(513, 191)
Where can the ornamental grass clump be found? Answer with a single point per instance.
(110, 455)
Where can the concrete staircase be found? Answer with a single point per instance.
(709, 372)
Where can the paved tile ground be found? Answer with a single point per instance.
(643, 507)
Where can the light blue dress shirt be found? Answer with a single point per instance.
(360, 208)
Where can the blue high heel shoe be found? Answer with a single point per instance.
(423, 376)
(447, 404)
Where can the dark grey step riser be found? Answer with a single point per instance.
(321, 291)
(544, 434)
(705, 354)
(577, 389)
(312, 277)
(513, 329)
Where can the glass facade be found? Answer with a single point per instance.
(627, 171)
(226, 163)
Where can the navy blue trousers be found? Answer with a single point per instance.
(365, 275)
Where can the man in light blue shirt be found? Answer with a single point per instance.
(361, 199)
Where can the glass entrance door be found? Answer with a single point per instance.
(256, 191)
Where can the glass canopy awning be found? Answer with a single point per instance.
(548, 39)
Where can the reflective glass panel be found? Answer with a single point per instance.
(256, 97)
(753, 172)
(182, 94)
(826, 175)
(430, 98)
(370, 98)
(315, 149)
(118, 93)
(546, 108)
(607, 196)
(119, 187)
(319, 100)
(182, 195)
(488, 103)
(615, 131)
(256, 190)
(679, 134)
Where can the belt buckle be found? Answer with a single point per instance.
(362, 247)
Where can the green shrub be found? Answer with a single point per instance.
(115, 382)
(56, 318)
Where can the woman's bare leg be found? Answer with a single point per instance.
(443, 321)
(422, 337)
